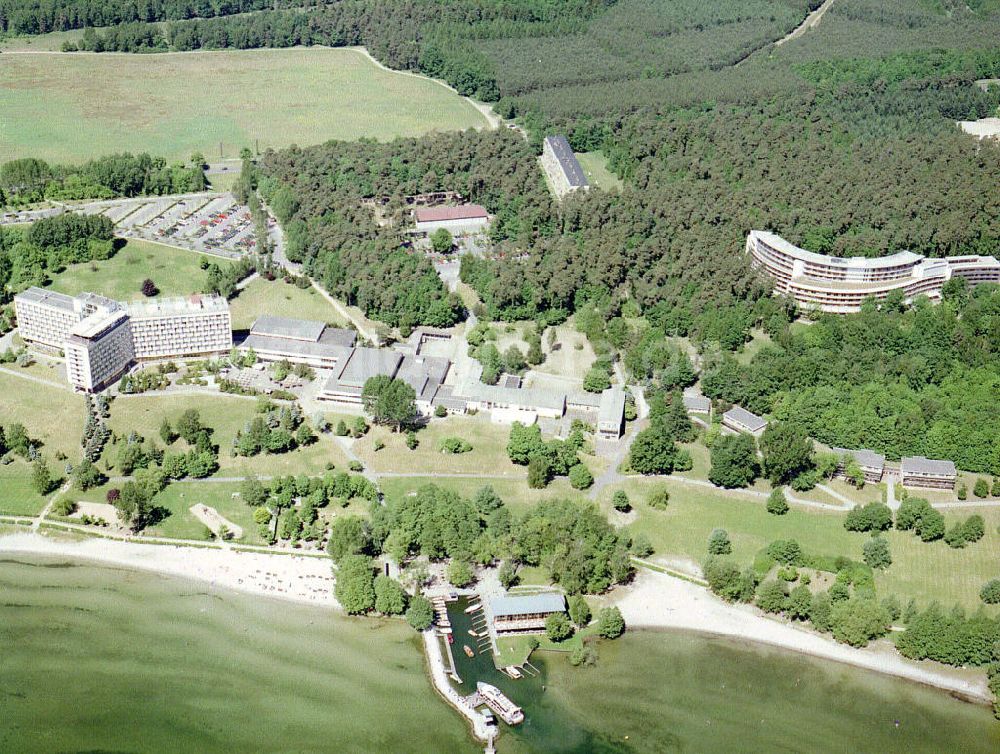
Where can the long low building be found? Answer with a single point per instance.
(299, 341)
(841, 284)
(102, 338)
(872, 464)
(525, 614)
(562, 167)
(917, 471)
(460, 220)
(739, 419)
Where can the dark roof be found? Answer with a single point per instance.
(867, 458)
(697, 403)
(567, 160)
(439, 214)
(338, 336)
(527, 604)
(920, 465)
(743, 417)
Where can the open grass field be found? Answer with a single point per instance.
(281, 300)
(595, 167)
(515, 493)
(17, 496)
(53, 415)
(921, 570)
(76, 106)
(182, 524)
(226, 415)
(175, 272)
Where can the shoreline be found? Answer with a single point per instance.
(296, 578)
(654, 602)
(661, 602)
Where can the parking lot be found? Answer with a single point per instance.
(208, 222)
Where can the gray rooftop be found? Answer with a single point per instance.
(583, 398)
(612, 407)
(549, 602)
(365, 363)
(181, 305)
(867, 458)
(567, 160)
(920, 465)
(530, 398)
(286, 327)
(697, 403)
(743, 417)
(292, 347)
(41, 296)
(338, 336)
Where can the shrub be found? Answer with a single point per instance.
(356, 466)
(981, 488)
(974, 528)
(411, 440)
(378, 445)
(642, 547)
(726, 580)
(580, 477)
(718, 542)
(460, 573)
(786, 551)
(440, 411)
(990, 593)
(876, 553)
(962, 491)
(659, 499)
(539, 472)
(772, 597)
(584, 655)
(455, 445)
(64, 507)
(420, 614)
(776, 503)
(859, 620)
(558, 628)
(621, 502)
(149, 288)
(869, 517)
(579, 611)
(610, 623)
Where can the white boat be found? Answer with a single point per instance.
(494, 698)
(473, 608)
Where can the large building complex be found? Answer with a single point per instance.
(562, 167)
(102, 338)
(299, 341)
(841, 285)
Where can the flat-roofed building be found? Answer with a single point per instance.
(525, 614)
(99, 350)
(917, 471)
(508, 405)
(842, 284)
(46, 318)
(562, 167)
(348, 380)
(611, 414)
(460, 220)
(697, 404)
(300, 341)
(189, 326)
(739, 419)
(872, 464)
(425, 374)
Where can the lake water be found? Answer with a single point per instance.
(94, 658)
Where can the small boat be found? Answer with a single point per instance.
(473, 633)
(513, 672)
(451, 639)
(473, 608)
(468, 650)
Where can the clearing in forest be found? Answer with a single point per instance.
(70, 107)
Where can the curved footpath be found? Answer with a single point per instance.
(659, 601)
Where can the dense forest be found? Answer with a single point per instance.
(120, 175)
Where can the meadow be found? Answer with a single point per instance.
(76, 106)
(280, 299)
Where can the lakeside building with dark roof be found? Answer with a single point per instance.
(841, 285)
(562, 167)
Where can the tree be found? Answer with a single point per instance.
(167, 433)
(859, 620)
(580, 477)
(18, 440)
(981, 488)
(389, 400)
(513, 360)
(787, 451)
(771, 597)
(584, 654)
(876, 553)
(610, 623)
(420, 613)
(642, 546)
(460, 573)
(596, 380)
(86, 475)
(507, 574)
(149, 288)
(725, 580)
(734, 461)
(253, 492)
(974, 528)
(620, 502)
(659, 498)
(411, 440)
(962, 492)
(653, 451)
(524, 442)
(579, 611)
(355, 584)
(349, 536)
(799, 602)
(931, 526)
(718, 542)
(41, 477)
(776, 503)
(539, 472)
(995, 487)
(557, 627)
(872, 516)
(442, 241)
(390, 599)
(990, 593)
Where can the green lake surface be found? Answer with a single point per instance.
(101, 659)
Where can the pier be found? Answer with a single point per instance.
(483, 732)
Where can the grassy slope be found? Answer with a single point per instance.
(70, 107)
(175, 272)
(281, 300)
(595, 167)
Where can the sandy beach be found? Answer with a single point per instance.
(660, 601)
(307, 580)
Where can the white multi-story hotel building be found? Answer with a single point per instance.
(102, 338)
(166, 328)
(841, 285)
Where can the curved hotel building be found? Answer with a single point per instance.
(840, 285)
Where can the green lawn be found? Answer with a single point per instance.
(182, 524)
(924, 571)
(175, 272)
(515, 493)
(72, 107)
(488, 454)
(53, 415)
(226, 415)
(281, 300)
(17, 496)
(595, 167)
